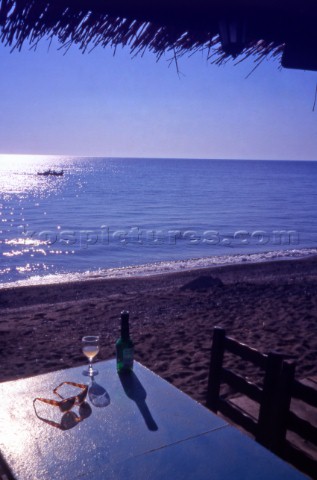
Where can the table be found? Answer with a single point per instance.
(143, 428)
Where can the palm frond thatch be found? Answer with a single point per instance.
(160, 26)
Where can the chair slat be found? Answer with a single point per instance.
(300, 460)
(242, 385)
(237, 416)
(302, 428)
(246, 352)
(305, 393)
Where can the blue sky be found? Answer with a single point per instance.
(97, 104)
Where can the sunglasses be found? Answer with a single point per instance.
(66, 404)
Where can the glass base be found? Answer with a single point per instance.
(90, 373)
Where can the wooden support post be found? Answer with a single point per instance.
(285, 388)
(216, 359)
(268, 422)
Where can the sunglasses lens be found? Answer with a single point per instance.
(67, 404)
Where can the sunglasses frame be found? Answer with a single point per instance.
(66, 404)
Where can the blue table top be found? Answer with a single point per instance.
(134, 427)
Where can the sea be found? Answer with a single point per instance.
(118, 217)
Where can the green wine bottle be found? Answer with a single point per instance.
(124, 346)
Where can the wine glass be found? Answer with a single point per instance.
(90, 345)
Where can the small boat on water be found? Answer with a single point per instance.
(55, 173)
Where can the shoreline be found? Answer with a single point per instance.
(257, 272)
(164, 267)
(269, 305)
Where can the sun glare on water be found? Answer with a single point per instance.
(18, 173)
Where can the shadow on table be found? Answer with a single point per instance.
(135, 391)
(98, 395)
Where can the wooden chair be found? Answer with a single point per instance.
(298, 422)
(267, 429)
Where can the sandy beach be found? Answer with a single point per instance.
(270, 306)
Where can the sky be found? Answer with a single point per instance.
(100, 104)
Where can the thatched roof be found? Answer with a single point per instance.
(269, 27)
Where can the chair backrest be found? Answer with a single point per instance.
(266, 427)
(299, 421)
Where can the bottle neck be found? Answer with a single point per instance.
(125, 331)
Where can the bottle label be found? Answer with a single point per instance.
(127, 357)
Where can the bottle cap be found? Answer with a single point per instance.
(124, 315)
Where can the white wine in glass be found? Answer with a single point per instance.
(90, 347)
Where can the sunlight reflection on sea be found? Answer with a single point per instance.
(106, 213)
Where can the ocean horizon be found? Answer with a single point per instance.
(111, 217)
